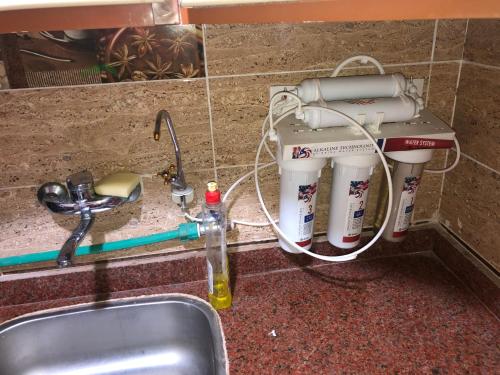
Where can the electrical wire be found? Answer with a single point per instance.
(339, 258)
(452, 166)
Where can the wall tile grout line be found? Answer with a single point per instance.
(103, 85)
(486, 66)
(457, 84)
(280, 72)
(446, 62)
(209, 100)
(239, 166)
(7, 188)
(471, 251)
(416, 63)
(434, 36)
(480, 163)
(427, 93)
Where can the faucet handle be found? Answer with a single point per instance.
(81, 186)
(169, 175)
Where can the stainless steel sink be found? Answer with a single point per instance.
(168, 334)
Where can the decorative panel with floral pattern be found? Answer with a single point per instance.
(76, 57)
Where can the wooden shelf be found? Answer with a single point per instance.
(94, 17)
(344, 10)
(306, 10)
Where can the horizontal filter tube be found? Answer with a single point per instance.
(352, 87)
(365, 111)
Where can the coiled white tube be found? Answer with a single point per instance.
(339, 258)
(235, 185)
(262, 132)
(455, 163)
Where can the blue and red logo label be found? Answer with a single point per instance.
(357, 188)
(306, 192)
(411, 184)
(301, 152)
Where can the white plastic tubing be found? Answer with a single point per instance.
(292, 244)
(363, 59)
(455, 163)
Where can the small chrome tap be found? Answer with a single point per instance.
(78, 198)
(182, 193)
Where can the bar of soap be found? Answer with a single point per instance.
(119, 184)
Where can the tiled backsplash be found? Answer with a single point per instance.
(46, 134)
(470, 203)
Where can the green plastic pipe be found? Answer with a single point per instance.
(185, 232)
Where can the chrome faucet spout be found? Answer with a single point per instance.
(65, 257)
(179, 181)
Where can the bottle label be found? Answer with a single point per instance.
(356, 204)
(406, 204)
(210, 278)
(307, 203)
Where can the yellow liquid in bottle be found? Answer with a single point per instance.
(221, 297)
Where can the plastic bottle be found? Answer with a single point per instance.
(214, 222)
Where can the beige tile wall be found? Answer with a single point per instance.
(49, 133)
(471, 193)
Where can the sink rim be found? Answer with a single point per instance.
(213, 318)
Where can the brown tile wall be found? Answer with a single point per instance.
(471, 192)
(47, 134)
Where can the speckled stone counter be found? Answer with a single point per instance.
(396, 313)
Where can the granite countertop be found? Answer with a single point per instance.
(402, 313)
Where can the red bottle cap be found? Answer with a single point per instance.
(212, 195)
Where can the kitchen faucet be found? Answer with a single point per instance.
(79, 198)
(182, 194)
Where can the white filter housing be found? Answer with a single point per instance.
(352, 87)
(299, 184)
(365, 111)
(349, 195)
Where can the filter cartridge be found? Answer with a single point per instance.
(406, 176)
(349, 195)
(299, 184)
(352, 87)
(365, 111)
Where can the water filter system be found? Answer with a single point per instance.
(351, 123)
